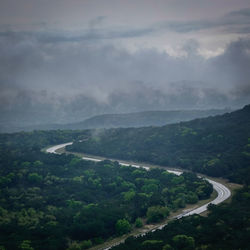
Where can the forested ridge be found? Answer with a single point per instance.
(217, 146)
(50, 201)
(143, 119)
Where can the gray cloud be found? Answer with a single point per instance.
(240, 13)
(233, 22)
(101, 62)
(80, 36)
(240, 18)
(64, 82)
(97, 21)
(185, 27)
(233, 67)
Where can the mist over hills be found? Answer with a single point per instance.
(137, 119)
(146, 118)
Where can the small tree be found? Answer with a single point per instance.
(37, 164)
(138, 223)
(35, 178)
(122, 227)
(86, 244)
(183, 242)
(157, 213)
(167, 247)
(152, 244)
(25, 245)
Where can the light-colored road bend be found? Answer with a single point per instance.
(53, 149)
(222, 191)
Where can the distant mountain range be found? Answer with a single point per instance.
(138, 119)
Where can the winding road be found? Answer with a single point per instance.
(222, 191)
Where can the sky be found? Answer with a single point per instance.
(65, 60)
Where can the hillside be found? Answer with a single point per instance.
(143, 119)
(139, 119)
(223, 229)
(217, 146)
(51, 201)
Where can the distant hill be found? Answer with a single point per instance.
(144, 119)
(217, 146)
(139, 119)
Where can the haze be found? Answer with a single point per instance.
(63, 61)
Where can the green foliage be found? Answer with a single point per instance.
(25, 245)
(216, 146)
(223, 228)
(80, 245)
(183, 242)
(191, 198)
(152, 244)
(52, 200)
(157, 213)
(35, 178)
(86, 244)
(29, 218)
(128, 196)
(122, 227)
(150, 188)
(37, 164)
(179, 203)
(167, 247)
(138, 223)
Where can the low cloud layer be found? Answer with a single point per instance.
(46, 77)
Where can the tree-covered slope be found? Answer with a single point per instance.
(50, 201)
(217, 146)
(226, 227)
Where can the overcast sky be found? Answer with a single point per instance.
(70, 59)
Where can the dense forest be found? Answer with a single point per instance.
(217, 146)
(50, 201)
(225, 227)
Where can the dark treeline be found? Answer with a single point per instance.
(216, 146)
(50, 201)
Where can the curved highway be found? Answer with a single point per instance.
(222, 191)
